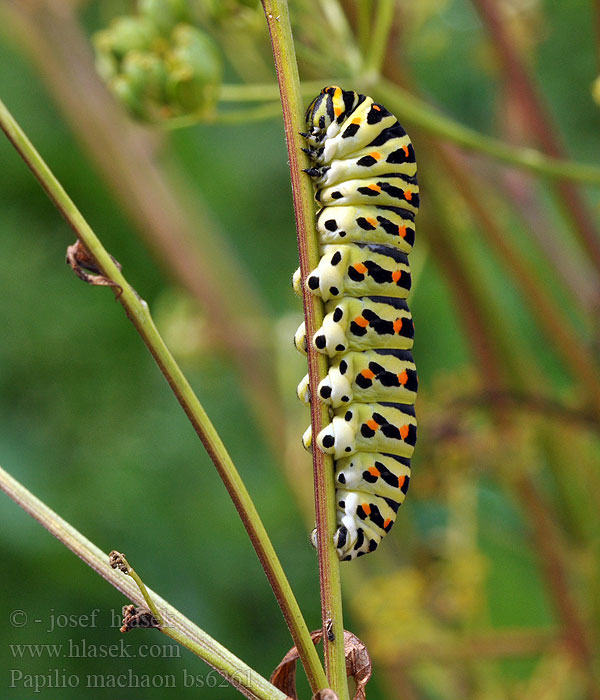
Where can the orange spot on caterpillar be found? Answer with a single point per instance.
(360, 268)
(372, 221)
(368, 374)
(367, 508)
(375, 426)
(401, 480)
(377, 107)
(405, 149)
(397, 325)
(396, 275)
(407, 195)
(402, 231)
(375, 188)
(337, 111)
(386, 523)
(375, 154)
(403, 377)
(373, 471)
(356, 120)
(361, 321)
(404, 431)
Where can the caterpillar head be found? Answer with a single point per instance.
(329, 108)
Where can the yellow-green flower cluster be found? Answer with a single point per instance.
(159, 64)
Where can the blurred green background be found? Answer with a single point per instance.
(464, 599)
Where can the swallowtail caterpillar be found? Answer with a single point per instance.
(365, 175)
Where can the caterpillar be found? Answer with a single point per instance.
(364, 171)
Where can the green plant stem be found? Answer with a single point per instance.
(175, 625)
(269, 110)
(378, 41)
(413, 110)
(363, 24)
(276, 12)
(259, 92)
(139, 314)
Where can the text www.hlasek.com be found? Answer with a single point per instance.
(83, 649)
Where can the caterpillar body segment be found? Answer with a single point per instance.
(390, 226)
(356, 270)
(370, 427)
(369, 376)
(363, 323)
(384, 190)
(365, 175)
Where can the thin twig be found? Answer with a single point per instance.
(139, 314)
(175, 625)
(276, 12)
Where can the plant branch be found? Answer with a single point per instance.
(411, 109)
(538, 120)
(276, 12)
(175, 625)
(139, 314)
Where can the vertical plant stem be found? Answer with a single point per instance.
(276, 12)
(382, 25)
(139, 314)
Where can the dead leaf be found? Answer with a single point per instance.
(358, 666)
(80, 260)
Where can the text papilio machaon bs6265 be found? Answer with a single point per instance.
(365, 175)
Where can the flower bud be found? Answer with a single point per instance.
(164, 14)
(123, 91)
(194, 70)
(146, 74)
(129, 33)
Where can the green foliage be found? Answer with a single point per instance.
(89, 425)
(157, 64)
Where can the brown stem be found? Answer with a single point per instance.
(556, 326)
(277, 15)
(552, 555)
(540, 123)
